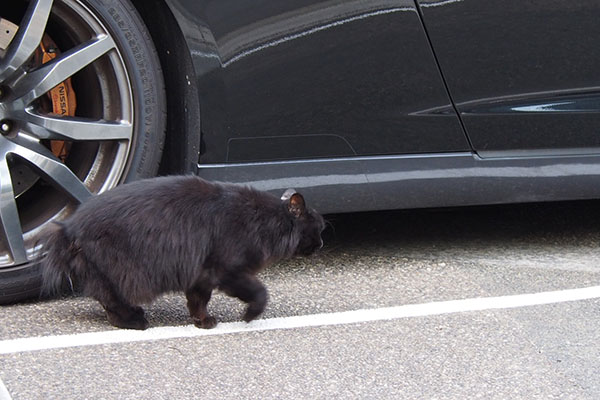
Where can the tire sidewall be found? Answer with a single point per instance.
(145, 76)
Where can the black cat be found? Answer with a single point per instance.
(126, 246)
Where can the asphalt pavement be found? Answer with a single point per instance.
(340, 324)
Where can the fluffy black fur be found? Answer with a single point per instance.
(180, 233)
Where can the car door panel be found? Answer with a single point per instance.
(317, 78)
(523, 74)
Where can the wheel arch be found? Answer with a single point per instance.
(182, 142)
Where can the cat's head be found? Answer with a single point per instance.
(308, 223)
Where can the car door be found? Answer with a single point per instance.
(523, 74)
(305, 79)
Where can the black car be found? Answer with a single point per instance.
(362, 105)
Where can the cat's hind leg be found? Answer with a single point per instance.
(198, 297)
(250, 290)
(118, 311)
(127, 317)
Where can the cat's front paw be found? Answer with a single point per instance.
(251, 313)
(208, 322)
(257, 305)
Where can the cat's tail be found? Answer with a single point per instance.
(58, 263)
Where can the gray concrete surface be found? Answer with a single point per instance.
(372, 260)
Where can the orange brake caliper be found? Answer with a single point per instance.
(62, 96)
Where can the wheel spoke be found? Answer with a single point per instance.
(28, 37)
(48, 166)
(77, 129)
(40, 81)
(9, 213)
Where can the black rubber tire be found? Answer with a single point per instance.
(149, 103)
(20, 284)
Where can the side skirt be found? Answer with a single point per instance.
(419, 181)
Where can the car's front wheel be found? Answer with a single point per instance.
(82, 109)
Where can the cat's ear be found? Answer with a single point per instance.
(295, 202)
(297, 206)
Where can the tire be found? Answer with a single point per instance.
(82, 109)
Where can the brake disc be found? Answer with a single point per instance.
(7, 32)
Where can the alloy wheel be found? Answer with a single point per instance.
(51, 157)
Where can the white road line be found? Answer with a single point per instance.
(4, 395)
(303, 321)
